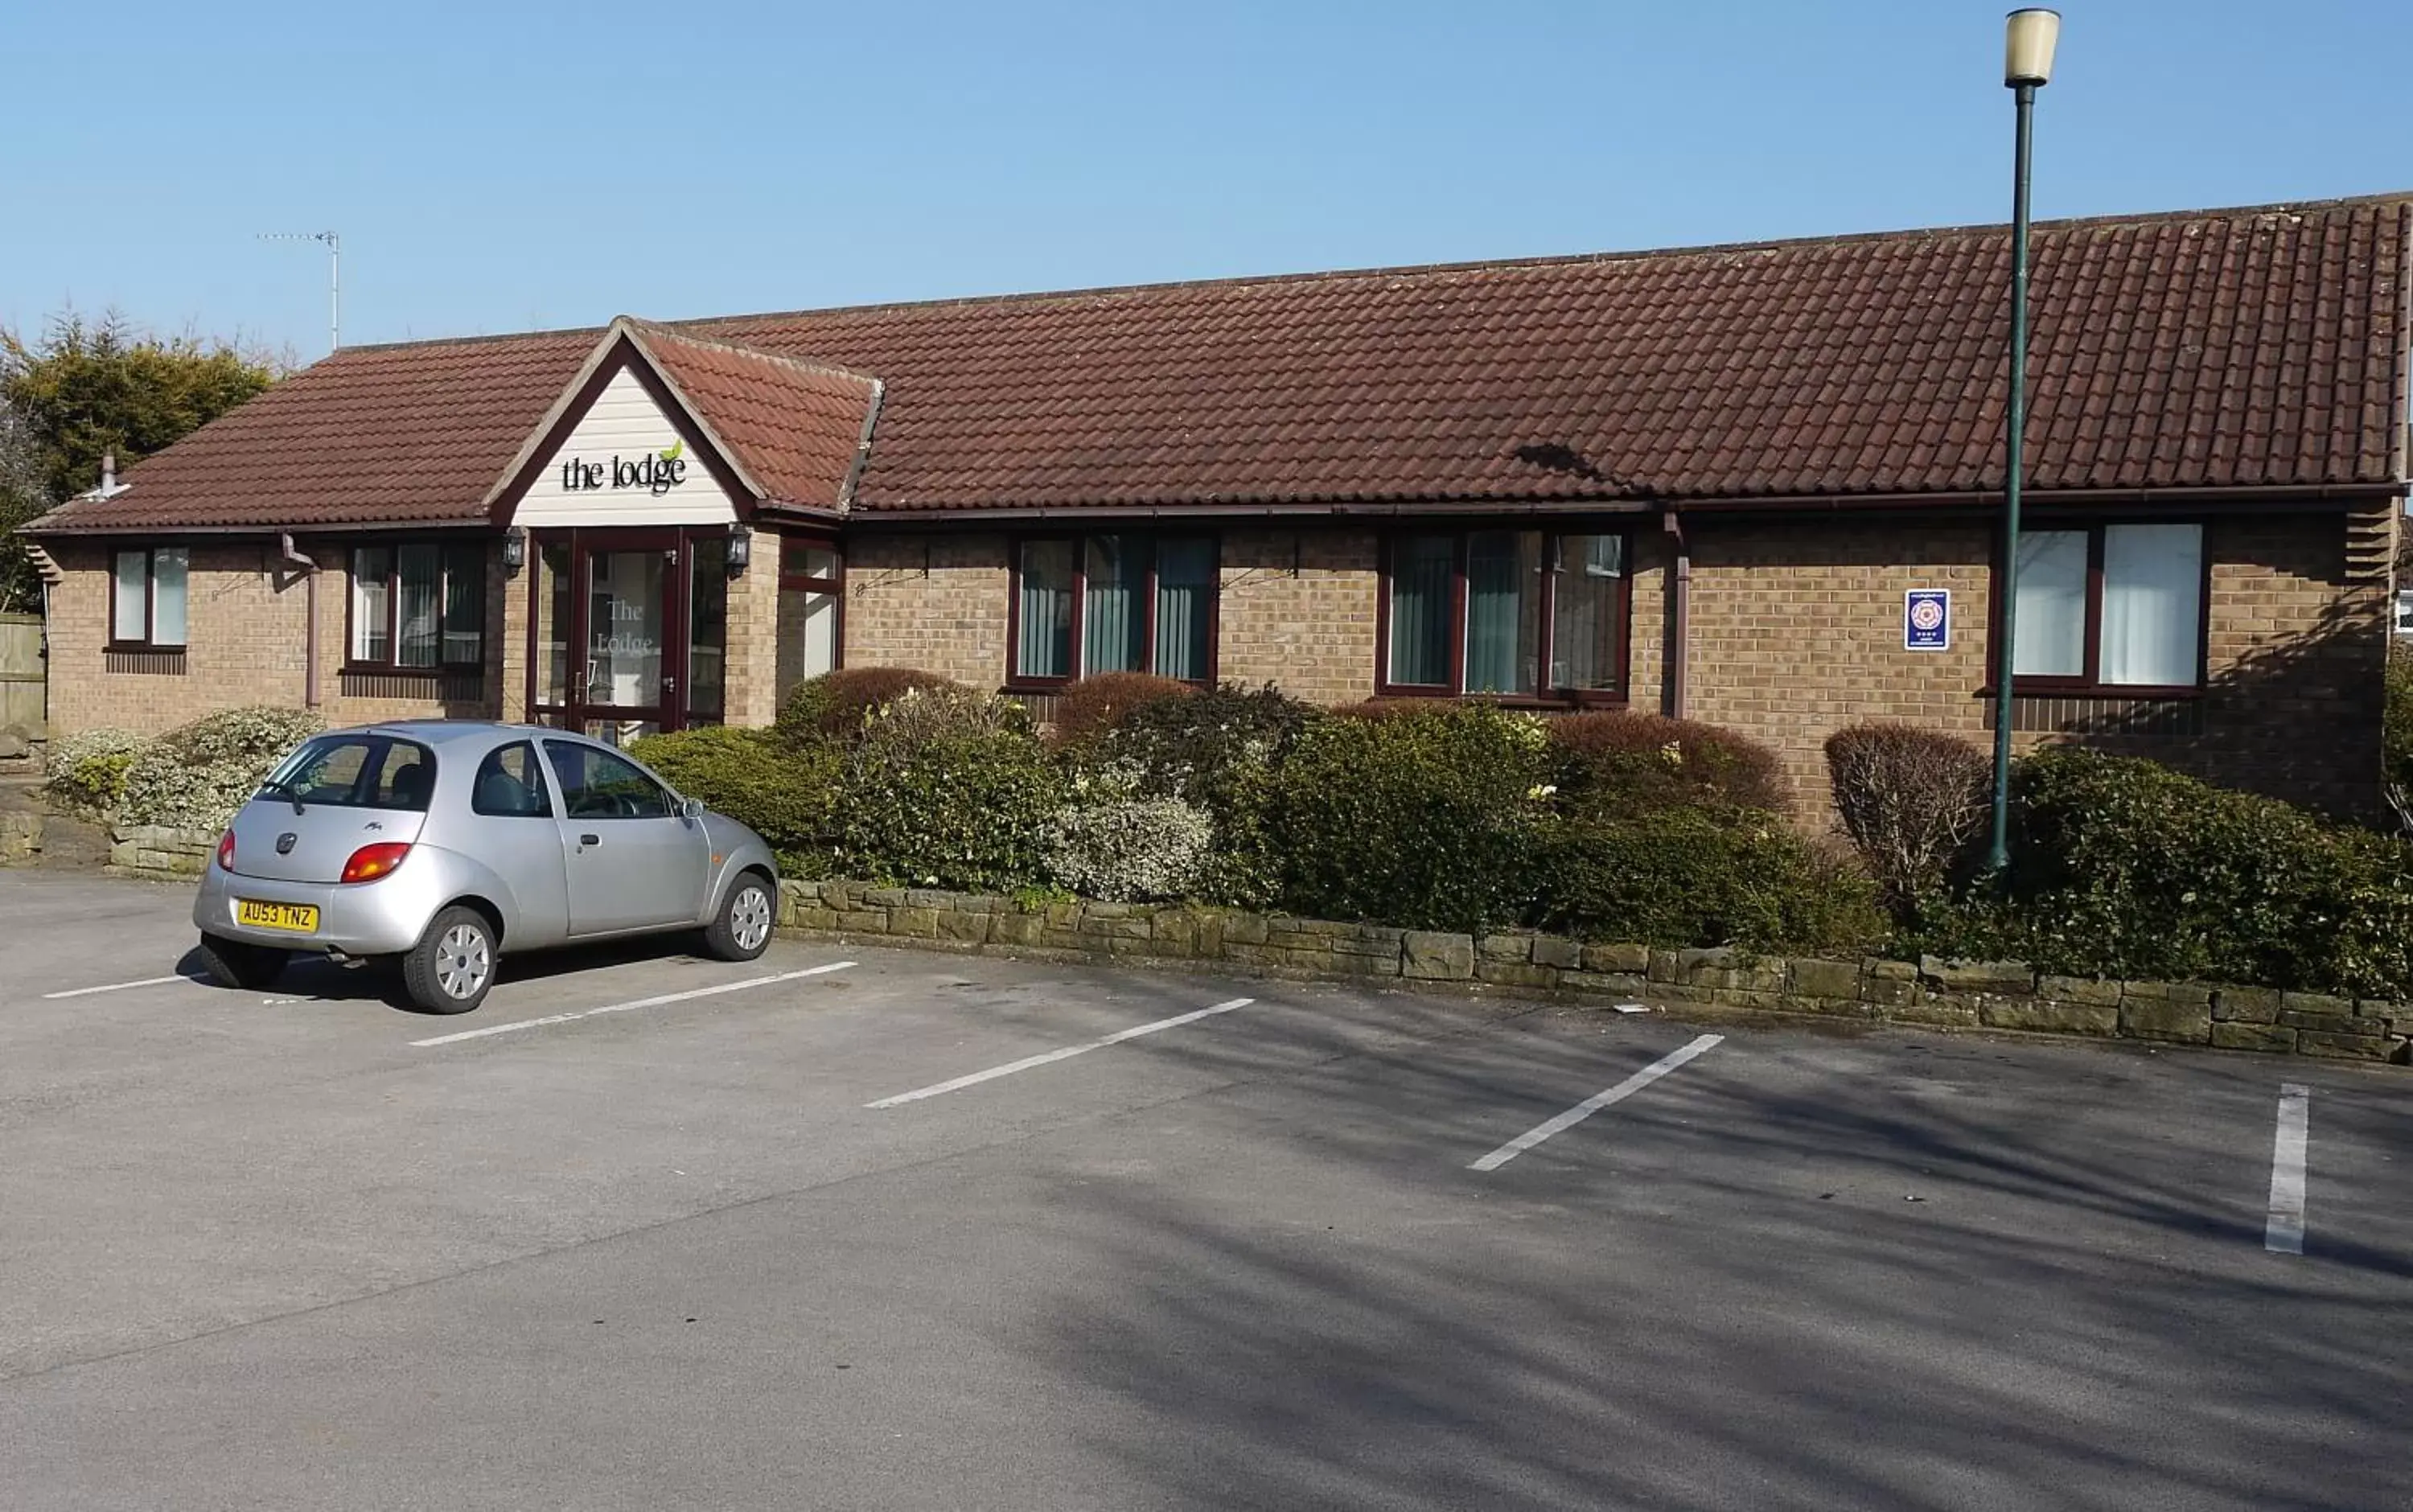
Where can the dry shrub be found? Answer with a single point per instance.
(835, 704)
(1912, 800)
(1094, 706)
(1626, 761)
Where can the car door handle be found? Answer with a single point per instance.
(590, 839)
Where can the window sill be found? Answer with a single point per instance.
(1544, 703)
(140, 648)
(2131, 691)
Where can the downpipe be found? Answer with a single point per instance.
(310, 608)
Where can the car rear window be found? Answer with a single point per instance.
(354, 771)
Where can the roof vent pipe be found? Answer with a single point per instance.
(310, 608)
(107, 473)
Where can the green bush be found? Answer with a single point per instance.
(2122, 868)
(783, 790)
(1217, 748)
(1618, 761)
(1090, 707)
(835, 704)
(1695, 877)
(196, 776)
(1427, 818)
(2396, 733)
(86, 771)
(948, 789)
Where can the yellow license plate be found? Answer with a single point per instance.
(301, 918)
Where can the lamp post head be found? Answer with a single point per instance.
(2028, 38)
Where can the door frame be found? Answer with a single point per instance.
(677, 543)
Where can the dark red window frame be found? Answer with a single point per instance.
(2089, 684)
(150, 600)
(1017, 680)
(1553, 536)
(392, 664)
(835, 585)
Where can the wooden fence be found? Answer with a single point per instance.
(22, 680)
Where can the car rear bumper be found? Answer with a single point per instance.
(383, 917)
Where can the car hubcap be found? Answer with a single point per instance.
(462, 961)
(750, 918)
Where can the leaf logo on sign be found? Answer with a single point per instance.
(671, 452)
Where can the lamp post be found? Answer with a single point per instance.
(2028, 38)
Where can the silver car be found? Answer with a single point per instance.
(439, 845)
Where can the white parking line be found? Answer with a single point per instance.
(121, 986)
(1590, 1105)
(2284, 1234)
(1065, 1054)
(624, 1007)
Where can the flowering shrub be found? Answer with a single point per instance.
(86, 771)
(196, 776)
(1217, 748)
(1113, 844)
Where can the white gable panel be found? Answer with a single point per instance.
(595, 476)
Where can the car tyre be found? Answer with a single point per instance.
(232, 963)
(742, 929)
(451, 968)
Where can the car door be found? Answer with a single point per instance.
(631, 861)
(512, 830)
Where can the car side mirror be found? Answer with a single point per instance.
(691, 808)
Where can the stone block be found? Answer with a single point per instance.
(2180, 1023)
(1504, 948)
(1433, 956)
(864, 921)
(1244, 929)
(2382, 1048)
(1282, 939)
(2002, 977)
(14, 747)
(925, 898)
(2237, 1035)
(1746, 998)
(1664, 967)
(1888, 992)
(1112, 927)
(1108, 911)
(1635, 959)
(2244, 1005)
(884, 897)
(1174, 931)
(1608, 984)
(2330, 1023)
(1827, 1007)
(1018, 928)
(1826, 979)
(2047, 1016)
(1551, 950)
(1515, 974)
(1878, 968)
(914, 922)
(2085, 990)
(2313, 1002)
(1943, 1010)
(965, 927)
(1371, 964)
(2385, 1011)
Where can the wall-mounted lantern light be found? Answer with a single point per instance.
(740, 548)
(514, 548)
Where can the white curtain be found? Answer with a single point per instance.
(169, 571)
(2049, 639)
(131, 619)
(2152, 604)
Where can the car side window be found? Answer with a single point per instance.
(510, 786)
(598, 784)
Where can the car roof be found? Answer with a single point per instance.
(448, 731)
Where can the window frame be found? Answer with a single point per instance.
(1017, 681)
(1554, 536)
(392, 665)
(834, 585)
(2089, 683)
(150, 641)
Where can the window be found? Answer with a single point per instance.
(420, 604)
(810, 597)
(357, 771)
(147, 598)
(598, 784)
(2405, 611)
(1114, 603)
(2109, 606)
(1518, 614)
(509, 785)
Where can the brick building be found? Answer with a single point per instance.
(1755, 485)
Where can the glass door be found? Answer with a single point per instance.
(610, 632)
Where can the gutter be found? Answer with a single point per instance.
(310, 631)
(1680, 614)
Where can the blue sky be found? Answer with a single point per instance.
(501, 166)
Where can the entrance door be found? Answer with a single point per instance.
(629, 628)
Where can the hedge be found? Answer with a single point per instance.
(784, 790)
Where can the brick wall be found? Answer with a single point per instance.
(933, 601)
(1298, 610)
(247, 626)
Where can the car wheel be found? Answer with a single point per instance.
(742, 929)
(231, 963)
(453, 966)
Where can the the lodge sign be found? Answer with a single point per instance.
(657, 472)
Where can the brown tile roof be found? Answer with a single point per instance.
(795, 427)
(2264, 347)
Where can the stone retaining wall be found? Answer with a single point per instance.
(21, 837)
(156, 853)
(1999, 995)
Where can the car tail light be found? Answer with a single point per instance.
(226, 851)
(370, 862)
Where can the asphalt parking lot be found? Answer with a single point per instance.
(873, 1229)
